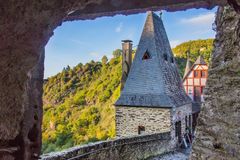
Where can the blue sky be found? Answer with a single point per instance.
(82, 41)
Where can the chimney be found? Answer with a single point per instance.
(126, 60)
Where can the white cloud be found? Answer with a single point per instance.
(174, 43)
(119, 27)
(207, 18)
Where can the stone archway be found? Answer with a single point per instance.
(25, 29)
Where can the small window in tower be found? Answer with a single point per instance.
(165, 56)
(196, 74)
(146, 55)
(203, 74)
(141, 129)
(171, 60)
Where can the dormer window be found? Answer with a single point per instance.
(165, 56)
(146, 55)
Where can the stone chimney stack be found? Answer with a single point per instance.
(126, 60)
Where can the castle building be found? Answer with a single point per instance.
(152, 99)
(194, 79)
(194, 82)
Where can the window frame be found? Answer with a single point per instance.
(141, 130)
(146, 55)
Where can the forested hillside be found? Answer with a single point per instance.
(78, 102)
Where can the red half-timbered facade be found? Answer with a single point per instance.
(194, 80)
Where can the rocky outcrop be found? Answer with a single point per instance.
(218, 131)
(25, 28)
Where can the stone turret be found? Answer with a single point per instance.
(126, 60)
(153, 99)
(153, 79)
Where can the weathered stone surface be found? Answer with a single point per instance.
(25, 28)
(218, 131)
(129, 148)
(112, 7)
(155, 120)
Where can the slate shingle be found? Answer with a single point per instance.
(153, 82)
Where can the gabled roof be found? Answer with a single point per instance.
(199, 60)
(154, 82)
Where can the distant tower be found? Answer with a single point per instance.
(194, 82)
(188, 65)
(194, 79)
(126, 60)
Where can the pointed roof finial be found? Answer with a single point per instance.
(160, 14)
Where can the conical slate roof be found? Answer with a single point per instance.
(155, 81)
(200, 60)
(188, 67)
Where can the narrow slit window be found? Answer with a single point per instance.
(141, 129)
(146, 55)
(165, 57)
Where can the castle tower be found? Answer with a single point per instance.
(194, 79)
(126, 60)
(194, 82)
(188, 67)
(153, 94)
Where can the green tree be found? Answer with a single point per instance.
(104, 60)
(117, 53)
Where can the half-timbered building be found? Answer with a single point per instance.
(194, 82)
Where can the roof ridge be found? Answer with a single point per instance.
(200, 60)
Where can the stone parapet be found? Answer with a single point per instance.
(136, 147)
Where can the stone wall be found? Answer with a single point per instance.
(179, 114)
(130, 148)
(155, 120)
(218, 130)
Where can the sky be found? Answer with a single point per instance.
(85, 40)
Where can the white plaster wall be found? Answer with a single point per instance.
(190, 81)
